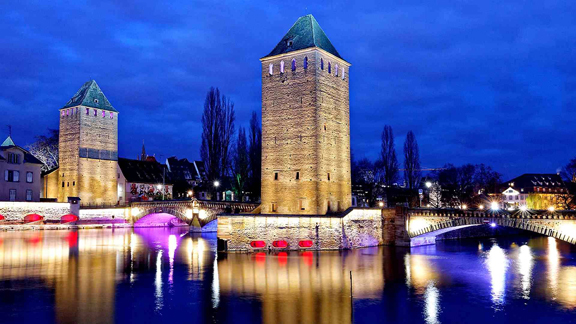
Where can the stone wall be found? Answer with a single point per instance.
(358, 228)
(105, 214)
(15, 211)
(305, 135)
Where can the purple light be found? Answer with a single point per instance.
(492, 224)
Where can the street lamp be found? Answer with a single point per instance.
(428, 184)
(523, 208)
(381, 204)
(464, 207)
(494, 205)
(216, 183)
(551, 208)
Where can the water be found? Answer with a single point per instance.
(164, 275)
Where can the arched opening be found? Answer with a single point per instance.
(159, 219)
(336, 70)
(270, 68)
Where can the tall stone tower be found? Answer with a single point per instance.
(88, 147)
(305, 124)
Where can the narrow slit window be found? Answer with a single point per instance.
(329, 67)
(328, 176)
(281, 66)
(321, 64)
(297, 175)
(336, 70)
(87, 111)
(342, 73)
(305, 62)
(271, 69)
(275, 175)
(95, 112)
(293, 64)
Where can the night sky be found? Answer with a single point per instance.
(477, 81)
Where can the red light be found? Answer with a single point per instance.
(305, 243)
(68, 218)
(260, 258)
(280, 244)
(258, 244)
(32, 218)
(2, 217)
(308, 257)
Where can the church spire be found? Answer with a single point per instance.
(144, 155)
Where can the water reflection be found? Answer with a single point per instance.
(164, 275)
(497, 264)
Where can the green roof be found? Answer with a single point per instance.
(8, 142)
(90, 95)
(305, 33)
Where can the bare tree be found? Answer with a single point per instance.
(45, 149)
(241, 163)
(255, 152)
(211, 150)
(217, 131)
(569, 171)
(388, 156)
(412, 171)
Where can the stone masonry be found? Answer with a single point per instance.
(305, 127)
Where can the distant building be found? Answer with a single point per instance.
(535, 191)
(21, 173)
(188, 177)
(143, 180)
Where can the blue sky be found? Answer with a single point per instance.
(477, 81)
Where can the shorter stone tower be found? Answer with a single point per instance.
(88, 148)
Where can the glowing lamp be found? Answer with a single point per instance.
(494, 206)
(428, 184)
(216, 184)
(492, 224)
(305, 243)
(481, 207)
(280, 244)
(189, 193)
(381, 204)
(464, 207)
(551, 208)
(258, 244)
(523, 208)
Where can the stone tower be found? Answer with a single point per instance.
(305, 124)
(88, 147)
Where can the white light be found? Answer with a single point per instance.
(202, 214)
(551, 208)
(189, 192)
(159, 187)
(492, 224)
(381, 204)
(494, 206)
(428, 184)
(189, 213)
(216, 184)
(510, 208)
(523, 208)
(481, 207)
(464, 207)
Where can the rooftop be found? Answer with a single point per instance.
(90, 95)
(305, 33)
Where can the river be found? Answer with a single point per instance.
(153, 275)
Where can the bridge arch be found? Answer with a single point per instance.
(422, 223)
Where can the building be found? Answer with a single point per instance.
(187, 175)
(143, 180)
(21, 170)
(535, 191)
(305, 124)
(88, 148)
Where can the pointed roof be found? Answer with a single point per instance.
(8, 142)
(305, 33)
(90, 95)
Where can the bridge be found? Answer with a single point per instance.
(196, 213)
(423, 225)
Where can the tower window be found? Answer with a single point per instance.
(63, 113)
(336, 70)
(95, 112)
(76, 110)
(297, 175)
(342, 73)
(103, 113)
(87, 111)
(67, 112)
(111, 115)
(62, 184)
(281, 66)
(321, 64)
(73, 183)
(293, 64)
(95, 100)
(274, 207)
(305, 62)
(275, 175)
(271, 69)
(329, 67)
(328, 176)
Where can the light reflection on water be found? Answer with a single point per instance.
(160, 275)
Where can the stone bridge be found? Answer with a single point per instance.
(423, 225)
(197, 213)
